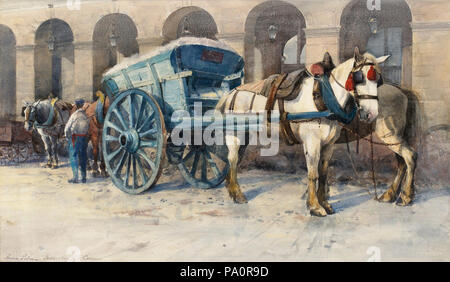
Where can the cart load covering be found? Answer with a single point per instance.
(180, 73)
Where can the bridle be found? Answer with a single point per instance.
(32, 112)
(356, 77)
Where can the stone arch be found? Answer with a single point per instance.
(393, 36)
(54, 69)
(189, 21)
(7, 73)
(105, 55)
(289, 21)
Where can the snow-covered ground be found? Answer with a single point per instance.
(44, 218)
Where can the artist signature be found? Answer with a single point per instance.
(29, 258)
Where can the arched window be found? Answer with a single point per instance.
(189, 21)
(114, 36)
(7, 73)
(275, 28)
(53, 59)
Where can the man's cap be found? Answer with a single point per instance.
(79, 102)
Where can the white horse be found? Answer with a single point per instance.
(318, 136)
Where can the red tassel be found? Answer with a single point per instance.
(317, 69)
(350, 84)
(372, 74)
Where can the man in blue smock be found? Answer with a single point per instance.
(76, 131)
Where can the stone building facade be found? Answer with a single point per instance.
(63, 46)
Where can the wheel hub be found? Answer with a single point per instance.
(130, 140)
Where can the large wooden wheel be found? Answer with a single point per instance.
(134, 141)
(204, 166)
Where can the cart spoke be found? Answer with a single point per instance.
(120, 164)
(149, 121)
(113, 126)
(134, 172)
(222, 157)
(127, 171)
(195, 163)
(131, 110)
(144, 177)
(151, 144)
(111, 138)
(204, 169)
(141, 111)
(150, 132)
(111, 156)
(143, 155)
(120, 118)
(189, 155)
(212, 163)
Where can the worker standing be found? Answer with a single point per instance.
(76, 133)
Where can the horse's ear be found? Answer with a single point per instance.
(357, 54)
(328, 62)
(23, 111)
(382, 59)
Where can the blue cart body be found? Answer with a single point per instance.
(180, 76)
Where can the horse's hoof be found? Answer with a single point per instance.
(320, 212)
(387, 197)
(95, 174)
(239, 198)
(54, 167)
(328, 208)
(404, 201)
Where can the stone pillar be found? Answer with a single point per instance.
(24, 77)
(83, 77)
(319, 41)
(430, 67)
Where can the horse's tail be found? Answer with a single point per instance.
(414, 115)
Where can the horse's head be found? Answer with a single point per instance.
(363, 82)
(29, 112)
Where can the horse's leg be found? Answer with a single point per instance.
(231, 179)
(322, 192)
(94, 141)
(391, 194)
(312, 155)
(55, 161)
(409, 156)
(46, 141)
(103, 172)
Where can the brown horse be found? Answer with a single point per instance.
(96, 114)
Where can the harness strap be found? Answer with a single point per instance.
(273, 90)
(233, 101)
(367, 97)
(52, 117)
(252, 102)
(285, 128)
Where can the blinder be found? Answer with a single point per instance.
(358, 76)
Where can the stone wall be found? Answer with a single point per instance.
(430, 27)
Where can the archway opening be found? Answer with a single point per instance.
(115, 37)
(381, 32)
(189, 21)
(275, 29)
(54, 60)
(7, 73)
